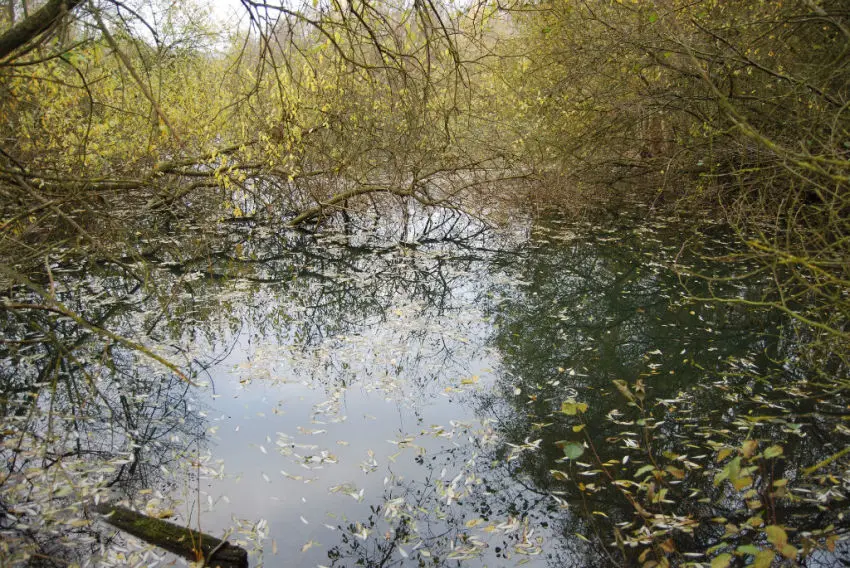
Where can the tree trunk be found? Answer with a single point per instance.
(10, 12)
(33, 26)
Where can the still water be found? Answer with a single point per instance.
(436, 393)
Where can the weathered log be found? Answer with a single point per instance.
(182, 541)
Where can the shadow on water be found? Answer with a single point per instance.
(428, 392)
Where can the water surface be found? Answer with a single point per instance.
(406, 395)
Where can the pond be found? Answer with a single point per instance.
(427, 391)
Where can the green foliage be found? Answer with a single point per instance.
(737, 106)
(572, 450)
(119, 129)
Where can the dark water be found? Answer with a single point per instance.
(415, 396)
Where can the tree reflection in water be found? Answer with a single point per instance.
(89, 419)
(84, 418)
(413, 310)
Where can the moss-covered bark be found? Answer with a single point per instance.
(174, 538)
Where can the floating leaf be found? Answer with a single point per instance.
(573, 450)
(777, 536)
(675, 472)
(732, 471)
(644, 469)
(764, 559)
(748, 549)
(773, 451)
(570, 407)
(624, 389)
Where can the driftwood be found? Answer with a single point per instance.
(174, 538)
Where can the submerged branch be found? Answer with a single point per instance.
(193, 545)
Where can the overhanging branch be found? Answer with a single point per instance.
(35, 25)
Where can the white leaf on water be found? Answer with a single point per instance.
(362, 532)
(305, 521)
